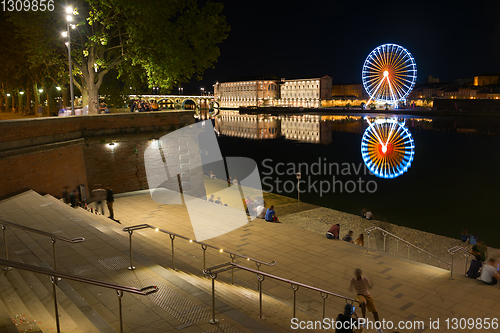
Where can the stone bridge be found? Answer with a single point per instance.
(205, 107)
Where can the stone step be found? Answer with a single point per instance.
(41, 287)
(156, 246)
(112, 230)
(17, 311)
(277, 313)
(6, 321)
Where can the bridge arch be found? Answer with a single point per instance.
(189, 104)
(166, 103)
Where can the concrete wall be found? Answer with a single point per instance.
(45, 171)
(46, 154)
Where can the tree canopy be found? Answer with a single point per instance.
(163, 42)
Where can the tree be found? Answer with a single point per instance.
(166, 41)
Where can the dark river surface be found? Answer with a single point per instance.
(453, 182)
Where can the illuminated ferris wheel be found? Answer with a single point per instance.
(389, 74)
(387, 148)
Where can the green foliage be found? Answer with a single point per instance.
(149, 42)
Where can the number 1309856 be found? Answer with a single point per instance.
(27, 5)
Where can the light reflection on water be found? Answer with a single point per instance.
(452, 184)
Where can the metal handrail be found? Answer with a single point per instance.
(204, 247)
(465, 252)
(213, 271)
(57, 274)
(40, 232)
(408, 245)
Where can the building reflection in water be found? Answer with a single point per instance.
(302, 128)
(249, 126)
(307, 128)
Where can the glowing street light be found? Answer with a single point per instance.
(66, 34)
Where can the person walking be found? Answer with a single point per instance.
(73, 198)
(110, 199)
(361, 285)
(99, 195)
(65, 195)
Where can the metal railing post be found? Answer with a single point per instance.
(385, 236)
(397, 247)
(325, 296)
(131, 267)
(451, 268)
(120, 295)
(418, 258)
(368, 243)
(232, 271)
(5, 242)
(465, 269)
(204, 247)
(295, 288)
(54, 252)
(408, 246)
(258, 268)
(53, 279)
(213, 320)
(172, 237)
(260, 278)
(4, 229)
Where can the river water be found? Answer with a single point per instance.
(452, 183)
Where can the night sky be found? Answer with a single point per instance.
(295, 39)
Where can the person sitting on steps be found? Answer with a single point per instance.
(489, 274)
(271, 215)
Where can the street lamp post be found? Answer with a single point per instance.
(299, 176)
(60, 100)
(21, 93)
(69, 18)
(202, 91)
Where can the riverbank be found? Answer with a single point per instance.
(320, 219)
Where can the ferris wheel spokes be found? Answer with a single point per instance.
(389, 74)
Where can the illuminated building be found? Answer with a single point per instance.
(305, 92)
(486, 79)
(246, 93)
(349, 91)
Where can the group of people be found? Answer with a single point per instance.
(334, 233)
(367, 214)
(99, 195)
(216, 201)
(480, 267)
(468, 238)
(143, 106)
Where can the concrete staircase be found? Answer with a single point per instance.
(182, 303)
